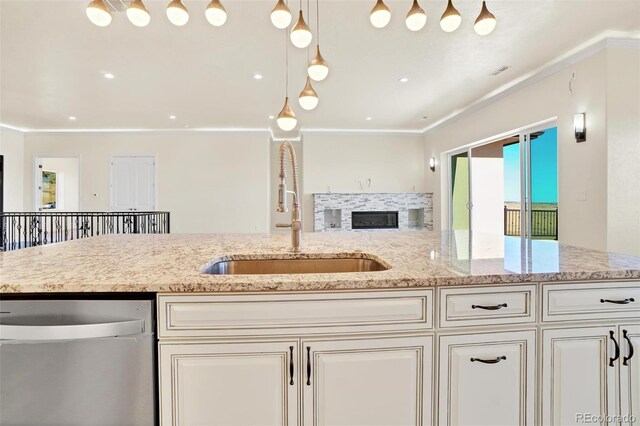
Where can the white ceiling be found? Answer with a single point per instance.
(53, 60)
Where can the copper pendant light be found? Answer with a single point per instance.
(300, 33)
(318, 69)
(216, 14)
(486, 21)
(416, 18)
(451, 19)
(308, 98)
(98, 13)
(138, 14)
(281, 15)
(286, 119)
(380, 15)
(177, 13)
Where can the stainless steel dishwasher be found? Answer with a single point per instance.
(77, 362)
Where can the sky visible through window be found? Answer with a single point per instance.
(544, 169)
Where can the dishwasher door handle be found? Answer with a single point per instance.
(70, 332)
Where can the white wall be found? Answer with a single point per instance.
(12, 147)
(342, 162)
(67, 170)
(623, 151)
(227, 182)
(582, 166)
(210, 182)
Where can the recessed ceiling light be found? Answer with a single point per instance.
(368, 119)
(72, 118)
(271, 117)
(257, 76)
(404, 80)
(172, 117)
(109, 76)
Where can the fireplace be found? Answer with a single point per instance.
(374, 220)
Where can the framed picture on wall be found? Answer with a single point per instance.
(49, 190)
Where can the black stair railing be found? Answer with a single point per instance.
(28, 229)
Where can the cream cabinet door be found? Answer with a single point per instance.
(487, 379)
(367, 382)
(229, 384)
(630, 374)
(578, 380)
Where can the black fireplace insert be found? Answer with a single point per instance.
(374, 220)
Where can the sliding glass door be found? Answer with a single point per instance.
(507, 186)
(460, 195)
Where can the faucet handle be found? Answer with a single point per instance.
(283, 225)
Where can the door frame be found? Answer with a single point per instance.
(529, 128)
(37, 196)
(155, 176)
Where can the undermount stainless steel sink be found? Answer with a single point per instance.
(294, 266)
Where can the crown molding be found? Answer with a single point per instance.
(607, 39)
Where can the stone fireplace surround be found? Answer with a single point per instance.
(332, 211)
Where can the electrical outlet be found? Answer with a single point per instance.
(582, 196)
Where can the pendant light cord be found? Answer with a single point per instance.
(309, 18)
(317, 23)
(286, 65)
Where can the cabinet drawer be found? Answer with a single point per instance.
(282, 314)
(582, 301)
(487, 305)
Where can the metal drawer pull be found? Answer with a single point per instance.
(489, 361)
(308, 365)
(291, 365)
(625, 360)
(618, 302)
(489, 308)
(616, 347)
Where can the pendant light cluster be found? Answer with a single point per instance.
(317, 68)
(99, 13)
(416, 19)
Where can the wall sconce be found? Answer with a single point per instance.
(432, 164)
(580, 128)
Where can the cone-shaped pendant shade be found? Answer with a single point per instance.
(380, 15)
(287, 120)
(216, 14)
(300, 33)
(416, 18)
(177, 13)
(98, 13)
(451, 19)
(318, 68)
(281, 15)
(486, 22)
(138, 14)
(308, 98)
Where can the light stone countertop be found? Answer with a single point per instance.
(173, 263)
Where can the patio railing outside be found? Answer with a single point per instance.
(21, 230)
(544, 223)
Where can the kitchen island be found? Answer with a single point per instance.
(459, 330)
(174, 262)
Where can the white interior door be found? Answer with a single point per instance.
(629, 373)
(133, 183)
(229, 384)
(367, 382)
(487, 379)
(578, 377)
